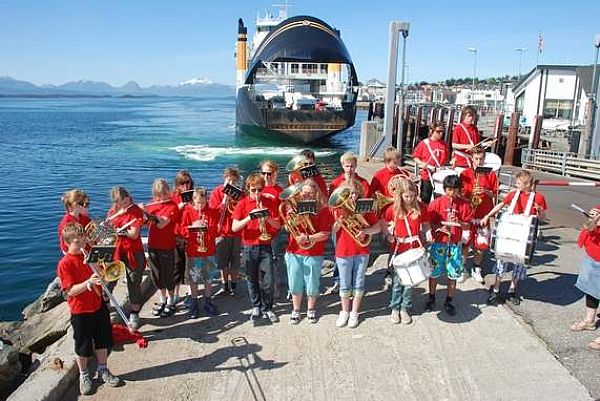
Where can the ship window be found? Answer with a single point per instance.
(309, 68)
(324, 68)
(294, 68)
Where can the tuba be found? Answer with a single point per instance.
(296, 224)
(294, 166)
(352, 224)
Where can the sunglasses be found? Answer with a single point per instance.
(266, 173)
(83, 204)
(256, 189)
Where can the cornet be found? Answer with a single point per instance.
(264, 234)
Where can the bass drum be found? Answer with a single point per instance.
(492, 160)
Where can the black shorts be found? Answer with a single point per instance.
(180, 261)
(91, 331)
(426, 191)
(162, 265)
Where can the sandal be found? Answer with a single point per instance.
(167, 311)
(158, 308)
(595, 345)
(583, 325)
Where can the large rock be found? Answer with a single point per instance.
(10, 368)
(39, 331)
(52, 297)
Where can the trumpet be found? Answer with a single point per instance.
(352, 224)
(476, 197)
(264, 234)
(393, 185)
(296, 224)
(114, 271)
(201, 236)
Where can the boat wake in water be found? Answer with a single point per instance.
(208, 153)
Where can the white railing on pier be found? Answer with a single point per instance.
(563, 163)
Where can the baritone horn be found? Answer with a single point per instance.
(296, 224)
(354, 222)
(393, 185)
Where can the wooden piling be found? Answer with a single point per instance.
(498, 128)
(537, 131)
(511, 142)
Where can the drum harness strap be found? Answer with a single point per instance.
(433, 156)
(405, 240)
(463, 154)
(513, 203)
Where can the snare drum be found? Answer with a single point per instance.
(492, 160)
(438, 180)
(412, 267)
(514, 237)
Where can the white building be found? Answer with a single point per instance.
(560, 93)
(490, 97)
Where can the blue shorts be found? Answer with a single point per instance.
(446, 259)
(199, 269)
(304, 273)
(519, 271)
(352, 275)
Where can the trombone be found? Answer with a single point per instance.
(110, 273)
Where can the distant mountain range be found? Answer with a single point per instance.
(193, 88)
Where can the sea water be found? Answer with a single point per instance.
(55, 144)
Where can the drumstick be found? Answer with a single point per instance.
(585, 213)
(489, 142)
(451, 224)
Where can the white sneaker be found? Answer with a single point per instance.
(353, 320)
(342, 319)
(255, 315)
(476, 274)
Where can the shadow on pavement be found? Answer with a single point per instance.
(559, 290)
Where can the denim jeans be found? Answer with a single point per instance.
(352, 275)
(401, 295)
(257, 260)
(280, 242)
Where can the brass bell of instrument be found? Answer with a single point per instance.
(113, 271)
(354, 222)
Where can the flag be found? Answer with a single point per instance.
(540, 43)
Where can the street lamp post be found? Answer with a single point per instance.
(521, 50)
(594, 100)
(399, 138)
(474, 51)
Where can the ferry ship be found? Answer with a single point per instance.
(295, 80)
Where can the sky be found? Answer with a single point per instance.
(167, 42)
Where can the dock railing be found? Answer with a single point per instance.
(563, 163)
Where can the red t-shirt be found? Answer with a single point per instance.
(163, 238)
(126, 247)
(210, 217)
(440, 151)
(321, 183)
(82, 219)
(176, 198)
(71, 270)
(464, 134)
(346, 246)
(216, 202)
(441, 209)
(487, 181)
(539, 202)
(251, 232)
(339, 180)
(382, 177)
(414, 222)
(322, 222)
(590, 241)
(273, 192)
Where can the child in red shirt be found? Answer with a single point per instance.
(430, 154)
(199, 228)
(228, 242)
(522, 201)
(257, 252)
(480, 189)
(89, 315)
(407, 219)
(76, 203)
(449, 216)
(128, 218)
(162, 214)
(588, 280)
(183, 182)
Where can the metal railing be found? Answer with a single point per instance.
(563, 163)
